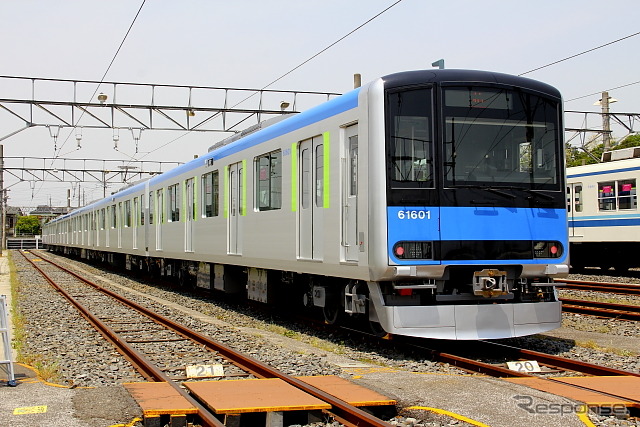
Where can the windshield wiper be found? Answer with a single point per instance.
(491, 190)
(539, 193)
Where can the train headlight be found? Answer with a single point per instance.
(550, 249)
(412, 250)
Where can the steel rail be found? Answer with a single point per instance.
(141, 363)
(340, 408)
(603, 309)
(545, 359)
(616, 288)
(551, 360)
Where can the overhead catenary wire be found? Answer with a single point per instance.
(600, 92)
(579, 54)
(57, 152)
(113, 59)
(283, 75)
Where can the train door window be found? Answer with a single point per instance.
(160, 202)
(142, 209)
(127, 213)
(627, 194)
(319, 176)
(151, 208)
(210, 194)
(136, 211)
(174, 203)
(577, 197)
(568, 199)
(269, 181)
(102, 219)
(113, 217)
(305, 168)
(607, 196)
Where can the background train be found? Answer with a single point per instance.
(427, 203)
(604, 222)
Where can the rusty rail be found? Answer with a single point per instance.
(142, 364)
(603, 309)
(344, 411)
(614, 288)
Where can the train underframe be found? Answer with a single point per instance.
(466, 303)
(620, 256)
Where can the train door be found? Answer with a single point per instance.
(235, 208)
(160, 220)
(574, 206)
(311, 198)
(350, 241)
(188, 224)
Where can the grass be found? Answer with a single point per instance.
(47, 370)
(594, 346)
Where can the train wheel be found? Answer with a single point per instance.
(332, 314)
(376, 329)
(333, 309)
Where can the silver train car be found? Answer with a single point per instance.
(425, 203)
(604, 222)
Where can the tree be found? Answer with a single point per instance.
(579, 156)
(28, 225)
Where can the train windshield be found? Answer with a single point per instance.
(500, 138)
(410, 139)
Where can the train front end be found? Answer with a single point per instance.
(473, 224)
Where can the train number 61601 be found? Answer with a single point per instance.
(414, 214)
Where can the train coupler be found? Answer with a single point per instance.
(490, 283)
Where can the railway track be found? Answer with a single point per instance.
(611, 388)
(142, 335)
(602, 309)
(614, 288)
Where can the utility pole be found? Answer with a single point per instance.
(2, 199)
(606, 122)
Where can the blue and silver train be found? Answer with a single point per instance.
(426, 203)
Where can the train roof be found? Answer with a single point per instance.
(624, 165)
(412, 78)
(266, 131)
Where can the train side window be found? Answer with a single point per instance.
(269, 181)
(210, 194)
(607, 196)
(627, 194)
(174, 202)
(102, 219)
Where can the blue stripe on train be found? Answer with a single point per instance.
(475, 223)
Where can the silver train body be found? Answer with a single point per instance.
(378, 205)
(604, 222)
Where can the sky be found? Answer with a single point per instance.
(251, 43)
